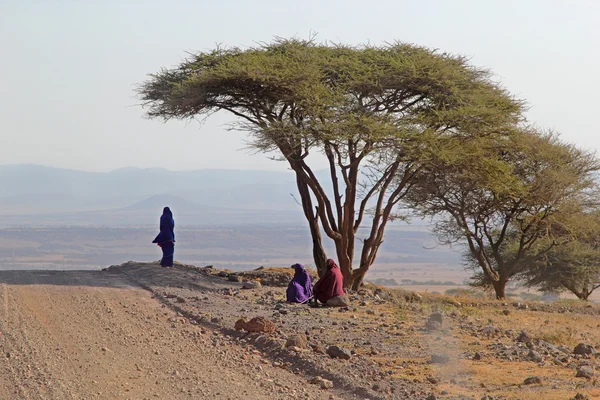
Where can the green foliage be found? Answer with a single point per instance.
(378, 113)
(574, 266)
(507, 199)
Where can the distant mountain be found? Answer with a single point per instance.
(33, 179)
(158, 202)
(37, 195)
(29, 189)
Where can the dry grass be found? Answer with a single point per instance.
(492, 376)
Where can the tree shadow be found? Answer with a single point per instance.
(65, 278)
(128, 275)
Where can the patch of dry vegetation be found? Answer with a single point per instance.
(563, 323)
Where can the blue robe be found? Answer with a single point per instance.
(166, 238)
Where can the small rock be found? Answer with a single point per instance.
(240, 324)
(234, 278)
(433, 325)
(583, 348)
(322, 382)
(256, 324)
(318, 349)
(338, 352)
(523, 337)
(489, 330)
(506, 312)
(533, 380)
(251, 285)
(338, 301)
(180, 299)
(223, 274)
(433, 379)
(535, 356)
(585, 371)
(477, 356)
(297, 341)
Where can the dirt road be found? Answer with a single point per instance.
(96, 335)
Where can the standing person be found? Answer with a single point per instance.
(330, 288)
(166, 238)
(299, 289)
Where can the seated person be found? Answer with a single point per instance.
(299, 289)
(330, 288)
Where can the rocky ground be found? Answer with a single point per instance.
(395, 344)
(142, 331)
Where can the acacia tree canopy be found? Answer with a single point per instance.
(573, 266)
(510, 200)
(375, 113)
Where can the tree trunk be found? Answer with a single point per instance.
(583, 295)
(358, 277)
(319, 256)
(500, 287)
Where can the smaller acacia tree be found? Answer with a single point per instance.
(573, 267)
(505, 198)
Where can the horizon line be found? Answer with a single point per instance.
(139, 169)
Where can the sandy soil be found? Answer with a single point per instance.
(139, 331)
(98, 335)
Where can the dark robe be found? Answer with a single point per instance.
(166, 238)
(331, 284)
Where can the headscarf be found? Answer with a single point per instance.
(299, 289)
(167, 226)
(331, 284)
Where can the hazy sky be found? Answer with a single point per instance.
(68, 68)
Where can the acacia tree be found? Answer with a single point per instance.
(573, 267)
(370, 111)
(510, 201)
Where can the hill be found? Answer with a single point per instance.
(32, 189)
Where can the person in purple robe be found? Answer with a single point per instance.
(166, 238)
(299, 289)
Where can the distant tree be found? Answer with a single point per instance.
(509, 201)
(573, 267)
(373, 112)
